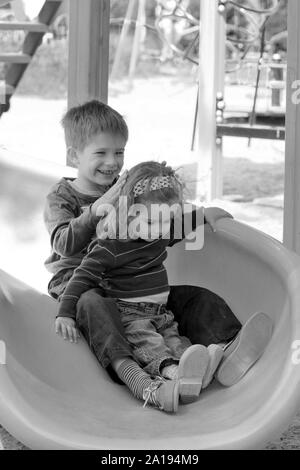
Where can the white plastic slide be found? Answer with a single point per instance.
(54, 395)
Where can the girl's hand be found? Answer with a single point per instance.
(100, 207)
(212, 214)
(66, 327)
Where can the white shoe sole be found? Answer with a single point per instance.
(245, 350)
(191, 371)
(216, 354)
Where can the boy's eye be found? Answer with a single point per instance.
(120, 154)
(100, 153)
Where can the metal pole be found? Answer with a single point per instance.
(292, 159)
(123, 37)
(140, 24)
(211, 85)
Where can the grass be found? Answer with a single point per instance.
(243, 178)
(252, 180)
(47, 74)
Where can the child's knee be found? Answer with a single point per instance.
(90, 303)
(90, 298)
(98, 310)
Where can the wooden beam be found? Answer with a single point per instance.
(292, 160)
(211, 83)
(253, 132)
(14, 58)
(23, 26)
(88, 51)
(31, 43)
(19, 10)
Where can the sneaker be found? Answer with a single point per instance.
(191, 371)
(162, 394)
(243, 352)
(216, 354)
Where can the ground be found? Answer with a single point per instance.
(160, 115)
(290, 440)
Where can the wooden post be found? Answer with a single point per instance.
(18, 9)
(211, 83)
(122, 39)
(140, 24)
(88, 51)
(292, 160)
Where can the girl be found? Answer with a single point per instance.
(127, 261)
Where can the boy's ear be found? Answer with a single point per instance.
(72, 157)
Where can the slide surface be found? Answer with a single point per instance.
(54, 395)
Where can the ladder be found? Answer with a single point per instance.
(18, 62)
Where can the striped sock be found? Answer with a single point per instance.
(136, 379)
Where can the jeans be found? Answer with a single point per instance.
(202, 316)
(153, 335)
(99, 321)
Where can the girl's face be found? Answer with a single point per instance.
(151, 221)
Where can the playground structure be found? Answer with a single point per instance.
(17, 63)
(211, 92)
(174, 23)
(239, 43)
(45, 407)
(212, 70)
(61, 399)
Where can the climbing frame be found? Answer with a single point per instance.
(18, 62)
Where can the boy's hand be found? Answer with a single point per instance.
(212, 214)
(66, 327)
(100, 208)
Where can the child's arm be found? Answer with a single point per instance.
(191, 220)
(184, 223)
(87, 276)
(66, 327)
(109, 198)
(213, 214)
(70, 232)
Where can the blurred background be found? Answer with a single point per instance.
(154, 74)
(154, 56)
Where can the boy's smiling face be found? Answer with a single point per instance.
(100, 162)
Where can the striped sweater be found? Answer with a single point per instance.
(72, 227)
(125, 269)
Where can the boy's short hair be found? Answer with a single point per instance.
(83, 122)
